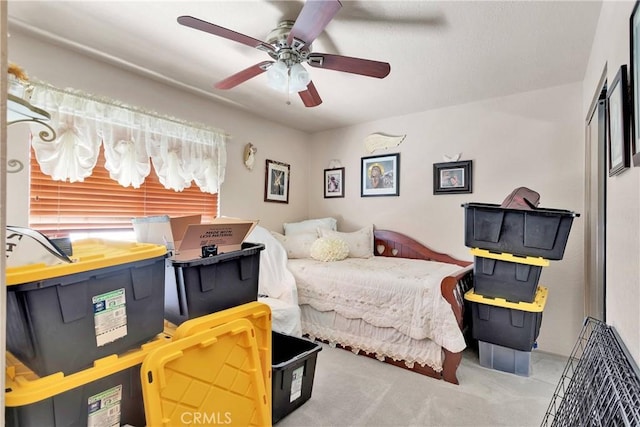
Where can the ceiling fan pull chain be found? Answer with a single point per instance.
(288, 83)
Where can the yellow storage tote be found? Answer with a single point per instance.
(109, 300)
(508, 324)
(108, 393)
(210, 377)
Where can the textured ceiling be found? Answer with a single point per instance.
(441, 53)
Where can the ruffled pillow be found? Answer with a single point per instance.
(309, 226)
(329, 249)
(360, 242)
(298, 245)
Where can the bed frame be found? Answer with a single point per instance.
(393, 244)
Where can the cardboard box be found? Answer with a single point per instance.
(185, 236)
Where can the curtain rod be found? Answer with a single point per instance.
(119, 104)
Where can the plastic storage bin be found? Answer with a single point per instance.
(108, 393)
(206, 285)
(504, 359)
(258, 313)
(63, 317)
(506, 276)
(294, 365)
(512, 325)
(211, 377)
(538, 232)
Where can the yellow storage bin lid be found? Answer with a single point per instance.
(24, 387)
(88, 254)
(503, 256)
(211, 377)
(258, 313)
(536, 306)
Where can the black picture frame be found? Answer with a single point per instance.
(453, 177)
(333, 183)
(634, 82)
(380, 175)
(276, 182)
(618, 129)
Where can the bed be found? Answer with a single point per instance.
(403, 306)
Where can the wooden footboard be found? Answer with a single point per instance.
(393, 244)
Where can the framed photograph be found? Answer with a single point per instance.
(634, 82)
(380, 176)
(276, 182)
(333, 183)
(618, 132)
(452, 177)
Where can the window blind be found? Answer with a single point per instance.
(58, 208)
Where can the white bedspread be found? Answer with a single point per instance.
(399, 293)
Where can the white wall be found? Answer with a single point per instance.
(242, 194)
(532, 139)
(611, 49)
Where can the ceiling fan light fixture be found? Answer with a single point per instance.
(299, 78)
(278, 76)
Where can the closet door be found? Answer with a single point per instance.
(595, 203)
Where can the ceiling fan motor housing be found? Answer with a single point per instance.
(297, 53)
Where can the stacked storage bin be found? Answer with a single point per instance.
(205, 285)
(510, 248)
(69, 327)
(89, 342)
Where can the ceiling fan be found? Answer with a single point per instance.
(289, 45)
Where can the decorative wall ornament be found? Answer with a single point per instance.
(453, 158)
(249, 156)
(335, 163)
(377, 141)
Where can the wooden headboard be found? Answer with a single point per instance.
(393, 244)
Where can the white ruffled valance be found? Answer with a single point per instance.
(133, 141)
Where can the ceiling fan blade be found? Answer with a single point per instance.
(310, 97)
(199, 24)
(312, 20)
(365, 67)
(244, 75)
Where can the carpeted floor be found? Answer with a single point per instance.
(351, 390)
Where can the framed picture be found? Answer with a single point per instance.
(276, 182)
(452, 177)
(618, 132)
(634, 82)
(380, 176)
(333, 183)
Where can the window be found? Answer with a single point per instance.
(99, 203)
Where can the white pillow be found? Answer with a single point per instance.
(298, 245)
(360, 242)
(329, 249)
(309, 226)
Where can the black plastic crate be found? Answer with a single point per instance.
(115, 399)
(538, 232)
(512, 325)
(293, 361)
(512, 281)
(206, 285)
(63, 324)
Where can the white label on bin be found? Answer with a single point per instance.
(104, 408)
(296, 384)
(110, 316)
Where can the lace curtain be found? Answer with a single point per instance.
(133, 141)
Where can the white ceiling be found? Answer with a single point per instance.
(441, 53)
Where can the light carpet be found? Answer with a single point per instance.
(352, 390)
